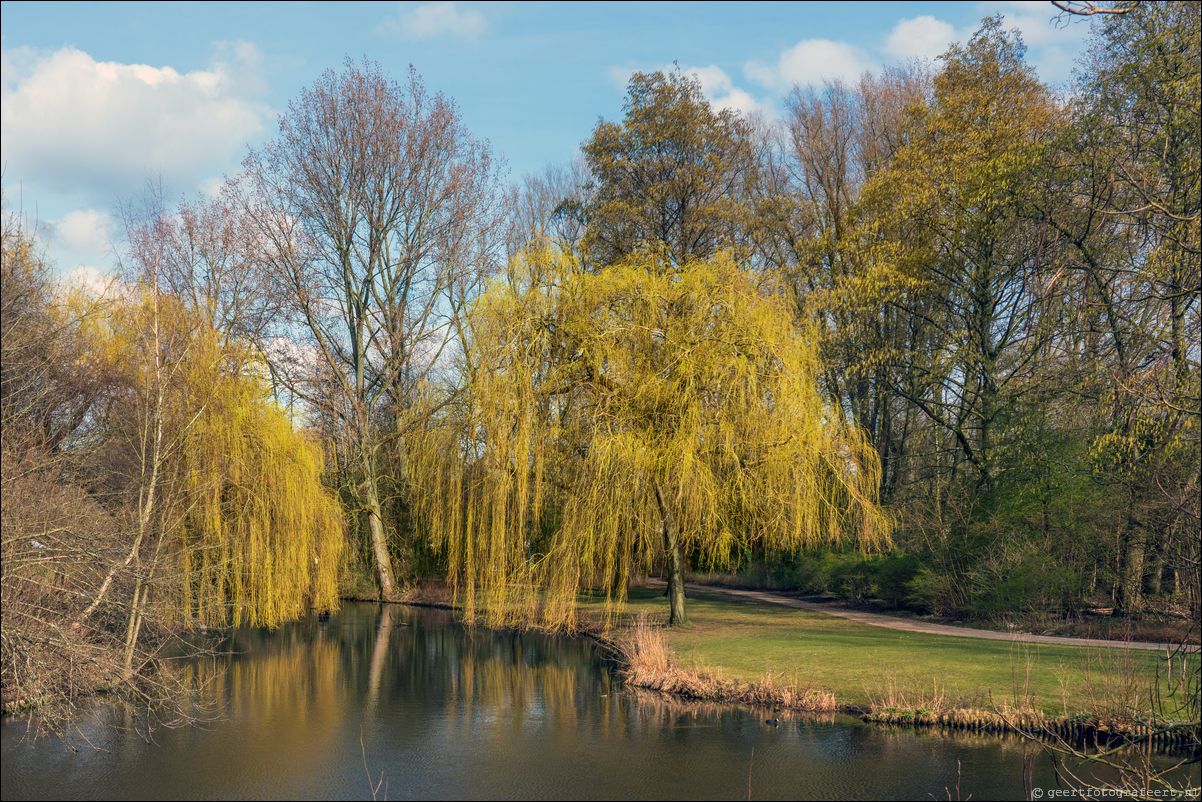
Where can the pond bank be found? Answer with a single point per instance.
(743, 648)
(897, 671)
(649, 663)
(442, 711)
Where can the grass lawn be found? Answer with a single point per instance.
(743, 639)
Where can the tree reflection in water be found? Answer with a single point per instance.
(446, 711)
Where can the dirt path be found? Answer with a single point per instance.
(911, 625)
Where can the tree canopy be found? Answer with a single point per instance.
(622, 419)
(932, 336)
(671, 175)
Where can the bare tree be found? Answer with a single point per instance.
(65, 530)
(374, 206)
(1085, 8)
(208, 262)
(550, 207)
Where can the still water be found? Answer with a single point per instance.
(434, 710)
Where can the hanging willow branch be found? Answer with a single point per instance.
(613, 413)
(261, 540)
(247, 533)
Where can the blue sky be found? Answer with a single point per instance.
(96, 96)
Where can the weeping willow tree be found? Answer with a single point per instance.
(235, 525)
(261, 539)
(622, 420)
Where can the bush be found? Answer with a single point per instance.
(936, 592)
(358, 581)
(1036, 585)
(894, 574)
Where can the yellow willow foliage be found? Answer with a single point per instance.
(251, 535)
(262, 539)
(594, 396)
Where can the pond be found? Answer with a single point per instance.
(432, 709)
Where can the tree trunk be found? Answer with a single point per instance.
(1132, 579)
(1156, 575)
(132, 628)
(379, 543)
(676, 611)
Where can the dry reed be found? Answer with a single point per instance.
(649, 663)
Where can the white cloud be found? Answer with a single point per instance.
(71, 123)
(620, 76)
(94, 280)
(1035, 20)
(435, 19)
(716, 85)
(84, 230)
(810, 61)
(922, 37)
(291, 352)
(212, 186)
(721, 92)
(1050, 44)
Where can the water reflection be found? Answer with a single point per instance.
(447, 712)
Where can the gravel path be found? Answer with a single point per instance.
(912, 625)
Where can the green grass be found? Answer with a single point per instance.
(743, 639)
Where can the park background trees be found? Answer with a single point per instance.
(1012, 370)
(1133, 223)
(674, 173)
